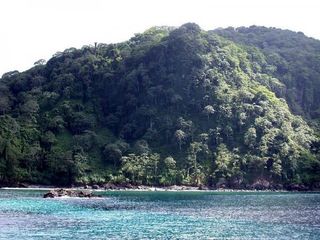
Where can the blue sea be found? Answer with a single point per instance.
(24, 214)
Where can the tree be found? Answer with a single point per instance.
(47, 140)
(152, 168)
(186, 126)
(30, 107)
(141, 146)
(10, 149)
(141, 169)
(9, 153)
(195, 169)
(208, 110)
(81, 121)
(40, 62)
(112, 153)
(87, 140)
(227, 164)
(250, 137)
(4, 104)
(180, 136)
(170, 170)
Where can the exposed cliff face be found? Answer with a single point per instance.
(169, 106)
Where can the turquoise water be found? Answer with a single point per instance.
(25, 214)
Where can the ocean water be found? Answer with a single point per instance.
(24, 214)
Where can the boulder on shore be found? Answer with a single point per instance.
(203, 187)
(23, 185)
(110, 186)
(51, 194)
(297, 187)
(261, 184)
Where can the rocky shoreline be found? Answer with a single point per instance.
(258, 184)
(83, 191)
(257, 187)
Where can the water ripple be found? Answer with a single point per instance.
(160, 215)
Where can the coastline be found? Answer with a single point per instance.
(145, 189)
(172, 188)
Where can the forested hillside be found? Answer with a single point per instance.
(295, 61)
(169, 106)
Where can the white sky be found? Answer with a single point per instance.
(35, 29)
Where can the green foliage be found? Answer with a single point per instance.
(227, 164)
(217, 109)
(169, 172)
(291, 57)
(141, 169)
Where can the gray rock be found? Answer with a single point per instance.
(222, 183)
(261, 184)
(110, 186)
(23, 185)
(202, 187)
(51, 194)
(68, 193)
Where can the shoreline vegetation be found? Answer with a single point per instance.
(145, 188)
